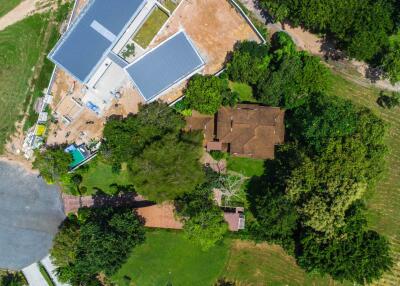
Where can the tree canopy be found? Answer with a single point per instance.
(169, 167)
(203, 220)
(105, 238)
(206, 93)
(127, 137)
(361, 28)
(52, 163)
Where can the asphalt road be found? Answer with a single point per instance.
(30, 213)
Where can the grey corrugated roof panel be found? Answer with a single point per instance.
(167, 64)
(117, 60)
(93, 35)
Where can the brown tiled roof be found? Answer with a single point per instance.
(251, 130)
(201, 122)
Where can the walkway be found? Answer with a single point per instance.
(34, 276)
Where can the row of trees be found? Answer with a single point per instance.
(278, 75)
(365, 30)
(94, 242)
(310, 199)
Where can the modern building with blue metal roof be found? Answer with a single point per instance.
(166, 65)
(93, 35)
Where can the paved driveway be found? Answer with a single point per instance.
(30, 213)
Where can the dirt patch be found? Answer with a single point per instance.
(160, 216)
(213, 25)
(24, 9)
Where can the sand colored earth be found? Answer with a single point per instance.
(213, 25)
(24, 9)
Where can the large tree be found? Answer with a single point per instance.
(52, 162)
(106, 238)
(206, 93)
(359, 255)
(169, 167)
(249, 62)
(127, 137)
(391, 60)
(203, 220)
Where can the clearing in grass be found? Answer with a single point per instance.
(167, 257)
(244, 90)
(150, 27)
(265, 264)
(246, 166)
(100, 176)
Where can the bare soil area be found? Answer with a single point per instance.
(213, 25)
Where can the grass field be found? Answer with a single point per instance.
(264, 264)
(167, 256)
(101, 177)
(170, 5)
(150, 27)
(21, 46)
(7, 5)
(246, 166)
(244, 90)
(384, 202)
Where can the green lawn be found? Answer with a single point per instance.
(246, 166)
(384, 202)
(7, 5)
(167, 256)
(244, 90)
(100, 176)
(150, 27)
(170, 5)
(21, 46)
(264, 264)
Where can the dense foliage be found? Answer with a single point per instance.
(163, 160)
(52, 163)
(362, 29)
(12, 279)
(169, 167)
(126, 138)
(206, 93)
(104, 239)
(203, 220)
(282, 76)
(356, 246)
(333, 155)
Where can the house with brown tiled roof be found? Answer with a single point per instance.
(246, 130)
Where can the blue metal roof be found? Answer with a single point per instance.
(93, 35)
(164, 66)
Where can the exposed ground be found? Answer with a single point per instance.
(213, 25)
(12, 11)
(7, 6)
